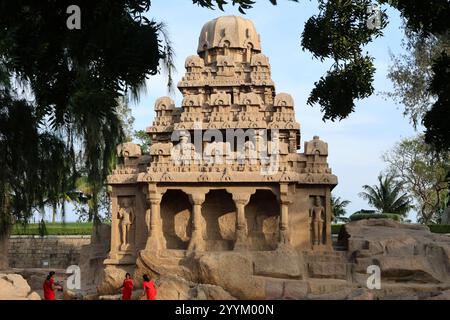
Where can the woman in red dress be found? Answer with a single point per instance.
(127, 287)
(149, 288)
(50, 286)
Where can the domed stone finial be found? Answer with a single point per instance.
(229, 31)
(316, 147)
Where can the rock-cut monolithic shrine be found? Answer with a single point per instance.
(231, 203)
(243, 185)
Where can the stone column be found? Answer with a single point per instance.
(241, 200)
(114, 226)
(284, 236)
(284, 239)
(197, 243)
(328, 241)
(155, 241)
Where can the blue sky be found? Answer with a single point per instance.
(355, 144)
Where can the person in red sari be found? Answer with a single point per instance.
(50, 286)
(149, 288)
(127, 287)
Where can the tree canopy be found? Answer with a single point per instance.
(338, 208)
(59, 91)
(423, 175)
(387, 196)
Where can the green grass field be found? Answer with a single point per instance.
(53, 229)
(85, 228)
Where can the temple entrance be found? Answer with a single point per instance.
(175, 215)
(219, 213)
(262, 213)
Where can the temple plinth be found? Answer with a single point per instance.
(225, 171)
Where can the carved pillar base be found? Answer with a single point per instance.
(197, 243)
(155, 241)
(241, 243)
(284, 241)
(241, 200)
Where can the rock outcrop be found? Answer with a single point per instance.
(414, 264)
(92, 257)
(413, 261)
(405, 253)
(15, 287)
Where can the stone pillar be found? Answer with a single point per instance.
(328, 241)
(241, 200)
(284, 239)
(197, 243)
(284, 236)
(155, 241)
(114, 226)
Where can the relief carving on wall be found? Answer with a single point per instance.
(318, 220)
(126, 217)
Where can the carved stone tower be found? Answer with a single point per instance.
(224, 172)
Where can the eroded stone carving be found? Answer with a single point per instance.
(318, 220)
(224, 171)
(126, 217)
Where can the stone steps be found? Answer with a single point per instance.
(303, 289)
(327, 270)
(172, 253)
(324, 286)
(332, 256)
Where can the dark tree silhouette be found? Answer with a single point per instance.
(72, 80)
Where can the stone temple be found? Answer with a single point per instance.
(225, 171)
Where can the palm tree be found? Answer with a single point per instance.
(338, 208)
(72, 104)
(387, 196)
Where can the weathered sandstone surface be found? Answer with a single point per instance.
(414, 264)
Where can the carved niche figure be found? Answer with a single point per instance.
(217, 152)
(318, 219)
(184, 153)
(126, 218)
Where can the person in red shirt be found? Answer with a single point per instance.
(127, 287)
(149, 288)
(50, 286)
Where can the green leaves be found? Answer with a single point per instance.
(437, 120)
(424, 17)
(338, 208)
(339, 32)
(387, 196)
(337, 91)
(144, 140)
(422, 173)
(243, 4)
(75, 78)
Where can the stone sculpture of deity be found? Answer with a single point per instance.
(317, 215)
(184, 153)
(126, 217)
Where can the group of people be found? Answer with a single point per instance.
(148, 286)
(50, 286)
